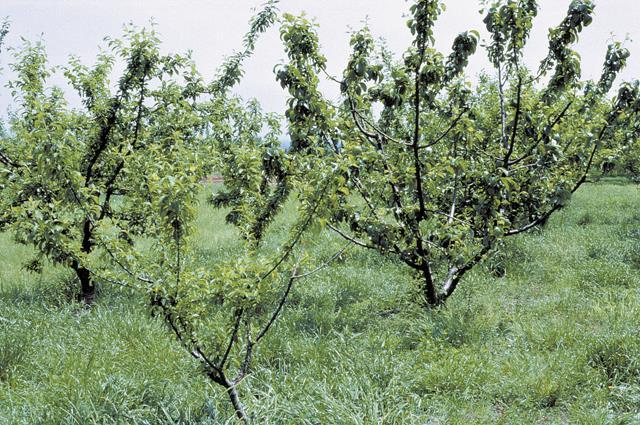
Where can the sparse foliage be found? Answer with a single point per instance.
(436, 173)
(220, 313)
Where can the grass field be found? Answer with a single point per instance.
(557, 340)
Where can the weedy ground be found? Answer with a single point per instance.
(556, 340)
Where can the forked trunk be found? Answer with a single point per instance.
(219, 378)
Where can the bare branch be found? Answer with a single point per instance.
(325, 264)
(350, 238)
(233, 338)
(276, 312)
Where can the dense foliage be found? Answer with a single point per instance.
(622, 149)
(74, 175)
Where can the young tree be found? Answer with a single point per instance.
(434, 173)
(221, 314)
(68, 171)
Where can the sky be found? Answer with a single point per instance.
(213, 29)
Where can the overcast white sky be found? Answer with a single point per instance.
(214, 28)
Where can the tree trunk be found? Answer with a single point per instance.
(220, 379)
(429, 288)
(431, 297)
(87, 287)
(237, 405)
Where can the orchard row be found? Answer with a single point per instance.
(413, 161)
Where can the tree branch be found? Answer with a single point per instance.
(548, 128)
(446, 133)
(516, 120)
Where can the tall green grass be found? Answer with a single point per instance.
(556, 340)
